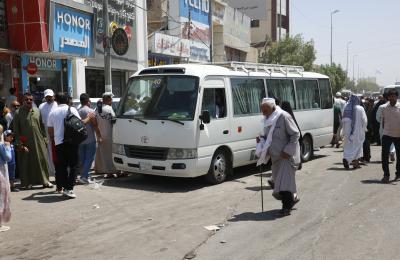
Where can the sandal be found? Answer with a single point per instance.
(346, 164)
(48, 185)
(4, 228)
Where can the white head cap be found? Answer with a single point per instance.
(108, 94)
(48, 93)
(338, 94)
(269, 101)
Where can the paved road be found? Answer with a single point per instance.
(341, 215)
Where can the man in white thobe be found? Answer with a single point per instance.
(280, 143)
(354, 127)
(45, 109)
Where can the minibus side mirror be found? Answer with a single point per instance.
(205, 119)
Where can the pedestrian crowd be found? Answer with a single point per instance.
(37, 142)
(358, 123)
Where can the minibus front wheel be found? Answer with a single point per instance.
(219, 168)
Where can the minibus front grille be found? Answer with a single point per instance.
(145, 152)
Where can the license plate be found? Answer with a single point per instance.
(144, 166)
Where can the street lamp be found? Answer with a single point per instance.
(332, 13)
(354, 58)
(347, 59)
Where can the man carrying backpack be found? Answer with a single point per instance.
(68, 131)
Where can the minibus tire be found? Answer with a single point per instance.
(219, 168)
(306, 149)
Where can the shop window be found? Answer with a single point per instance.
(254, 23)
(95, 83)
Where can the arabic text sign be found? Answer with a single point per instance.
(72, 32)
(170, 45)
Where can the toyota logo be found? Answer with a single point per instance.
(144, 139)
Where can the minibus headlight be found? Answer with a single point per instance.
(118, 149)
(177, 153)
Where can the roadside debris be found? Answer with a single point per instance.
(212, 228)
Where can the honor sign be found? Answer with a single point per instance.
(72, 31)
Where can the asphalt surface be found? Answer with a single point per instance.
(342, 215)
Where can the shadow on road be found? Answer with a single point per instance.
(315, 157)
(257, 216)
(46, 197)
(258, 188)
(164, 184)
(339, 169)
(376, 181)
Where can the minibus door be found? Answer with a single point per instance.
(214, 100)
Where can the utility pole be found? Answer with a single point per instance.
(280, 19)
(107, 49)
(354, 57)
(332, 13)
(347, 59)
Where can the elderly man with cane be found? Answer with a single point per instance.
(280, 143)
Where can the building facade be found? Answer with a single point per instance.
(59, 44)
(195, 31)
(270, 19)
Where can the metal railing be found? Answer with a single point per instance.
(260, 67)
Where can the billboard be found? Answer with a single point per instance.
(71, 31)
(197, 10)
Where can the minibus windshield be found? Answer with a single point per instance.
(171, 97)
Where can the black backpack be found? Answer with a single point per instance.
(74, 129)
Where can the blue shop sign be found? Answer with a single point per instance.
(72, 31)
(199, 10)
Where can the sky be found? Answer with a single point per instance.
(371, 26)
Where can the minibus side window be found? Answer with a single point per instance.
(307, 94)
(326, 94)
(282, 89)
(247, 95)
(215, 102)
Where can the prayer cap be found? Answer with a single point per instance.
(269, 101)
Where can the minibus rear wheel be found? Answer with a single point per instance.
(219, 168)
(306, 148)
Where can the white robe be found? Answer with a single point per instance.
(103, 161)
(45, 109)
(353, 144)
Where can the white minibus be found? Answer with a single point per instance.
(187, 120)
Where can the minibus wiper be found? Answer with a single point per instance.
(140, 120)
(172, 120)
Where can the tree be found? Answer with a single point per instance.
(336, 75)
(290, 51)
(366, 85)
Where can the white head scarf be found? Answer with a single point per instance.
(265, 143)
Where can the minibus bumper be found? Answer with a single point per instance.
(173, 168)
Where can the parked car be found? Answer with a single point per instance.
(93, 102)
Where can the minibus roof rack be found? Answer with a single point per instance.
(260, 67)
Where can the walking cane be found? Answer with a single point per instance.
(262, 195)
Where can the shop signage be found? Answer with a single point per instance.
(170, 45)
(199, 52)
(120, 42)
(31, 68)
(72, 31)
(44, 63)
(199, 10)
(123, 14)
